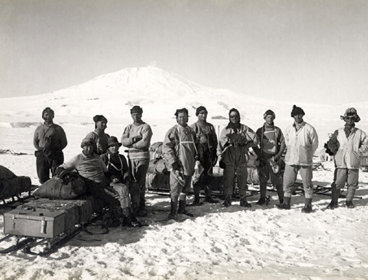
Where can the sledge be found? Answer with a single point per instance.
(45, 223)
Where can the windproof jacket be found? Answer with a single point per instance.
(351, 148)
(233, 145)
(180, 147)
(300, 145)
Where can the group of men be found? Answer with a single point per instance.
(120, 183)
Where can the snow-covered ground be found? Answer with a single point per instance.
(218, 243)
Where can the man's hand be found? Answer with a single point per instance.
(135, 139)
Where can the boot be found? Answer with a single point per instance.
(285, 204)
(245, 203)
(335, 193)
(349, 197)
(173, 210)
(308, 206)
(349, 204)
(227, 201)
(208, 198)
(261, 201)
(196, 201)
(182, 210)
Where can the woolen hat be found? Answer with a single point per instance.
(200, 109)
(112, 141)
(182, 110)
(48, 110)
(86, 142)
(99, 118)
(297, 111)
(136, 109)
(269, 112)
(351, 112)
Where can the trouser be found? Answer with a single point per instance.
(45, 164)
(291, 171)
(138, 169)
(123, 193)
(203, 182)
(241, 174)
(265, 173)
(177, 189)
(97, 190)
(350, 177)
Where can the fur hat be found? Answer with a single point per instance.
(297, 111)
(136, 109)
(98, 118)
(86, 142)
(112, 141)
(351, 112)
(48, 110)
(200, 109)
(269, 112)
(182, 110)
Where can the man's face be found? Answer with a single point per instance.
(298, 118)
(101, 125)
(349, 120)
(202, 116)
(137, 117)
(234, 117)
(182, 119)
(87, 150)
(48, 116)
(269, 119)
(114, 149)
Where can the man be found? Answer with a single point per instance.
(269, 152)
(118, 172)
(92, 169)
(347, 144)
(137, 138)
(207, 145)
(180, 151)
(98, 136)
(235, 140)
(49, 140)
(301, 142)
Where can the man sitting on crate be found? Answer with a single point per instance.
(92, 169)
(118, 169)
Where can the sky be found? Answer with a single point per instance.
(302, 50)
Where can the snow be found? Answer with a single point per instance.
(218, 243)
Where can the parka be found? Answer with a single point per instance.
(179, 148)
(300, 144)
(350, 148)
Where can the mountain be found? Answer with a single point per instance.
(160, 93)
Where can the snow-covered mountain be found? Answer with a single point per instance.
(160, 93)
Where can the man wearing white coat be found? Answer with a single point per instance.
(301, 141)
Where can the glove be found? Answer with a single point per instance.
(175, 166)
(179, 177)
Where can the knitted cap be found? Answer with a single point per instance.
(269, 112)
(297, 111)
